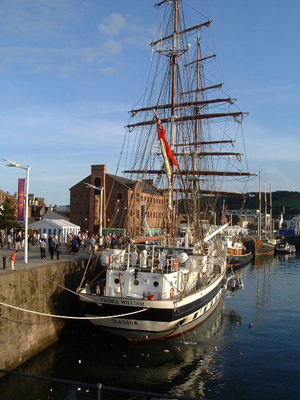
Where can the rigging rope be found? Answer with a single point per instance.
(70, 317)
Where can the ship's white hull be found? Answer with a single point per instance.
(142, 320)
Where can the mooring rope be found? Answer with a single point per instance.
(69, 290)
(69, 317)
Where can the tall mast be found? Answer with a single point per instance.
(271, 206)
(259, 209)
(196, 134)
(198, 87)
(173, 101)
(174, 72)
(266, 207)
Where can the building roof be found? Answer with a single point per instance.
(130, 183)
(86, 179)
(146, 187)
(54, 215)
(58, 223)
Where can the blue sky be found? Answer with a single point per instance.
(70, 70)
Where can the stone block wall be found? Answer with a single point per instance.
(24, 334)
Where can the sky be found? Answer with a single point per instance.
(70, 70)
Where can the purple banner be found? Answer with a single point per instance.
(96, 210)
(21, 186)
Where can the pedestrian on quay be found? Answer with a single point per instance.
(43, 249)
(74, 245)
(12, 260)
(9, 240)
(69, 240)
(19, 241)
(51, 245)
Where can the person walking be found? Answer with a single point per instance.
(9, 240)
(51, 246)
(43, 249)
(19, 241)
(12, 260)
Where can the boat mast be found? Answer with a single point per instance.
(196, 134)
(259, 209)
(197, 91)
(174, 71)
(173, 101)
(266, 207)
(271, 206)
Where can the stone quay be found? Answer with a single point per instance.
(38, 287)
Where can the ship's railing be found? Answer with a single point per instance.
(98, 388)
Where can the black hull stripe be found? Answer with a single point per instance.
(153, 314)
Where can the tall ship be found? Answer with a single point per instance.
(181, 142)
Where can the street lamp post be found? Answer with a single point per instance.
(27, 168)
(101, 204)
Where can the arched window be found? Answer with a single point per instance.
(97, 182)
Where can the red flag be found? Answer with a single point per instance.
(161, 134)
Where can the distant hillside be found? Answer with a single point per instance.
(286, 199)
(280, 199)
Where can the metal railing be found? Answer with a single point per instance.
(98, 387)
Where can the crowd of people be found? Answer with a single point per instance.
(14, 239)
(83, 241)
(88, 242)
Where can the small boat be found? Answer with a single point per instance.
(283, 247)
(237, 254)
(162, 286)
(263, 247)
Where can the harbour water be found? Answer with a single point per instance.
(249, 349)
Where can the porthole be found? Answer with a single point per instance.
(136, 282)
(117, 281)
(156, 284)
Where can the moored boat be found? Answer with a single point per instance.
(159, 287)
(156, 291)
(263, 247)
(237, 253)
(283, 247)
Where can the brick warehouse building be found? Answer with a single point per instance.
(125, 203)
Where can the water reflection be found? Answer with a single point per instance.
(182, 366)
(207, 362)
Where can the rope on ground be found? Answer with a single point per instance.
(70, 317)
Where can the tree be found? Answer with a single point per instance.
(8, 218)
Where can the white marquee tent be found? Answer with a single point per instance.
(56, 226)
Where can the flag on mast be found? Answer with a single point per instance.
(161, 133)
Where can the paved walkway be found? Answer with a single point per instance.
(34, 258)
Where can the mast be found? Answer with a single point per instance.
(196, 116)
(266, 207)
(271, 209)
(195, 155)
(259, 208)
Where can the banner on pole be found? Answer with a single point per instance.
(96, 210)
(21, 186)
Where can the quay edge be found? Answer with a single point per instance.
(22, 334)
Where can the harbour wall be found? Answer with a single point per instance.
(40, 289)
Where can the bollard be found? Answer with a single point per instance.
(5, 262)
(58, 254)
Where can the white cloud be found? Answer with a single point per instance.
(112, 25)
